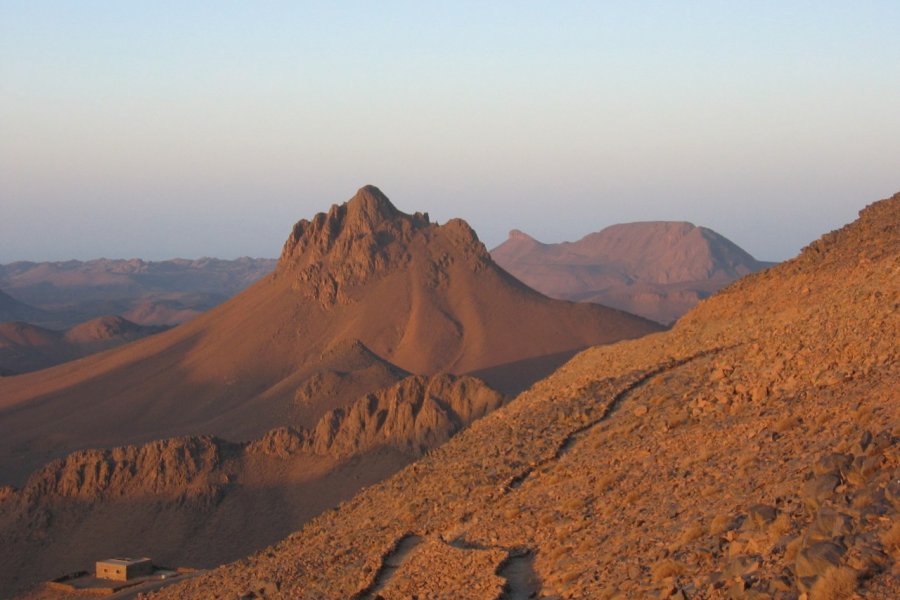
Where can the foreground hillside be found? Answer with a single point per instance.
(656, 269)
(751, 452)
(361, 294)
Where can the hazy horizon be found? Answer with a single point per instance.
(186, 130)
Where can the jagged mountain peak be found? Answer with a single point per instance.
(365, 236)
(368, 212)
(371, 204)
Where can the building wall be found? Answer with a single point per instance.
(139, 569)
(113, 572)
(123, 572)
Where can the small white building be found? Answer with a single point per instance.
(123, 569)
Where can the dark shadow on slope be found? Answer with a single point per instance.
(389, 565)
(204, 526)
(522, 582)
(514, 377)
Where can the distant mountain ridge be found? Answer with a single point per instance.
(657, 269)
(15, 310)
(25, 347)
(146, 292)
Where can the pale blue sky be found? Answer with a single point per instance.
(162, 129)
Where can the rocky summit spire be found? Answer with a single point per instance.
(348, 244)
(370, 206)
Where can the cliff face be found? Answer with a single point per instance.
(416, 414)
(752, 451)
(348, 246)
(164, 468)
(198, 500)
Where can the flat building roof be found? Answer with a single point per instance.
(124, 561)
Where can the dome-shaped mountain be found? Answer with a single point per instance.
(423, 297)
(104, 328)
(657, 269)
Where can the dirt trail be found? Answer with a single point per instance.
(632, 383)
(389, 565)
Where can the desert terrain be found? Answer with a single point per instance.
(753, 451)
(16, 310)
(75, 307)
(378, 336)
(422, 297)
(627, 327)
(657, 270)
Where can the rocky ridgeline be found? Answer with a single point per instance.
(204, 486)
(361, 239)
(417, 414)
(165, 468)
(866, 250)
(413, 416)
(751, 452)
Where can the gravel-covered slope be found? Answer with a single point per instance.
(751, 452)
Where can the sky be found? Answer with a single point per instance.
(163, 129)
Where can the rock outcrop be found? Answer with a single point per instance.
(349, 245)
(191, 500)
(162, 468)
(416, 414)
